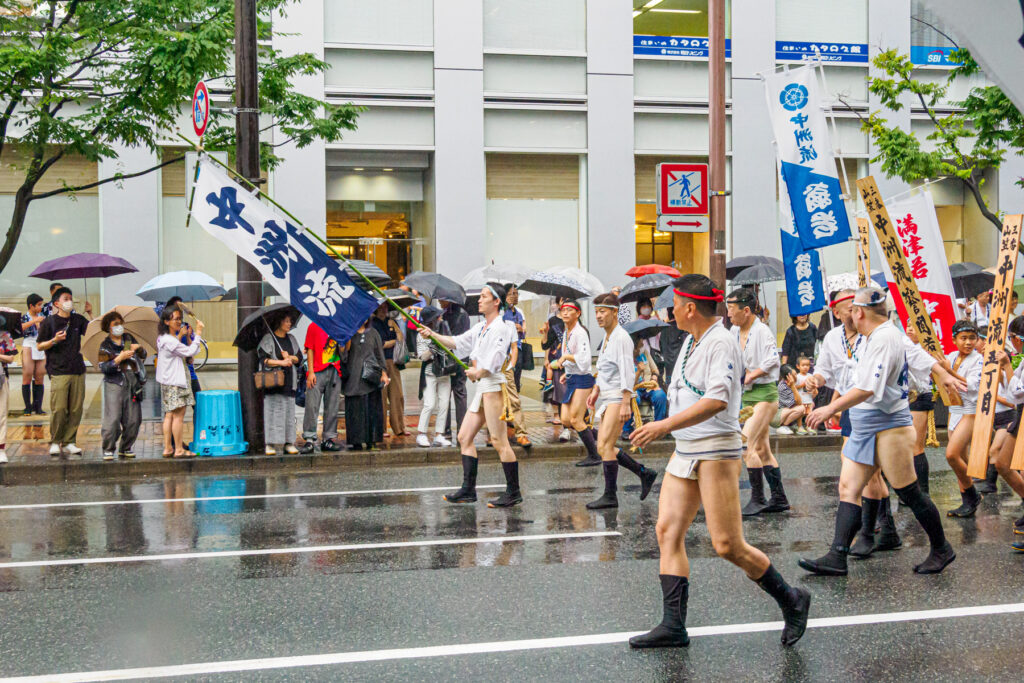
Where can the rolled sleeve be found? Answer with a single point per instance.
(721, 368)
(769, 352)
(627, 370)
(464, 343)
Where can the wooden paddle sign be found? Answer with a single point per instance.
(892, 248)
(863, 252)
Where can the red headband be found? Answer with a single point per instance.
(719, 295)
(842, 299)
(569, 305)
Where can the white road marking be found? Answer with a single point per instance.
(308, 494)
(234, 666)
(302, 549)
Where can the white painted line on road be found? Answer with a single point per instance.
(308, 494)
(478, 540)
(238, 665)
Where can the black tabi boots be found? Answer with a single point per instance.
(511, 495)
(467, 494)
(778, 502)
(988, 484)
(608, 499)
(646, 474)
(865, 543)
(888, 538)
(794, 602)
(26, 396)
(970, 500)
(671, 632)
(37, 399)
(921, 468)
(757, 502)
(928, 517)
(589, 438)
(833, 563)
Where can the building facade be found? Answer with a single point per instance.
(523, 131)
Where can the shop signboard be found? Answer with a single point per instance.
(676, 46)
(926, 55)
(786, 50)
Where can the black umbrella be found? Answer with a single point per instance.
(370, 270)
(644, 329)
(645, 287)
(10, 322)
(555, 284)
(262, 321)
(966, 268)
(666, 299)
(972, 284)
(741, 263)
(401, 297)
(232, 294)
(436, 286)
(764, 272)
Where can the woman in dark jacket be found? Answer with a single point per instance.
(554, 391)
(364, 376)
(800, 339)
(121, 362)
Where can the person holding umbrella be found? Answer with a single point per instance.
(576, 361)
(487, 345)
(514, 373)
(121, 360)
(280, 349)
(33, 361)
(437, 381)
(394, 399)
(60, 336)
(175, 391)
(9, 327)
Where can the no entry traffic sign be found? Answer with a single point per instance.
(200, 108)
(682, 189)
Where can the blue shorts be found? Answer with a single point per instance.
(844, 423)
(866, 426)
(574, 382)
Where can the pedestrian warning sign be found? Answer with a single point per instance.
(682, 189)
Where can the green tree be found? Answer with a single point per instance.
(975, 136)
(81, 77)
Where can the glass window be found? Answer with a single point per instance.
(381, 22)
(516, 128)
(379, 69)
(675, 18)
(844, 21)
(926, 28)
(542, 25)
(535, 74)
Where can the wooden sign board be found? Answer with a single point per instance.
(863, 252)
(892, 249)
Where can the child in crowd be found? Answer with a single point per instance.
(791, 408)
(803, 366)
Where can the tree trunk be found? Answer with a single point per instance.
(21, 201)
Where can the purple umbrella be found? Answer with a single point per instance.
(84, 265)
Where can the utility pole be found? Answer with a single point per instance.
(716, 147)
(247, 163)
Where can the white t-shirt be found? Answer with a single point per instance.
(577, 344)
(805, 396)
(714, 366)
(487, 344)
(970, 370)
(884, 369)
(615, 368)
(1015, 391)
(837, 359)
(760, 352)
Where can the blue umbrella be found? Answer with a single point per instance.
(644, 329)
(190, 285)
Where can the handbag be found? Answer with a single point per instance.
(400, 352)
(372, 372)
(525, 360)
(269, 378)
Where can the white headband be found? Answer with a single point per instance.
(606, 306)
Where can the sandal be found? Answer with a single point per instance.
(169, 455)
(184, 455)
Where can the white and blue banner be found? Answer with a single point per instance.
(289, 260)
(805, 278)
(801, 134)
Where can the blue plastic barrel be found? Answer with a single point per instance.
(217, 430)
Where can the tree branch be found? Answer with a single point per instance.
(113, 178)
(937, 30)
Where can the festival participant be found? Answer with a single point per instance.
(486, 345)
(761, 392)
(920, 409)
(966, 362)
(882, 435)
(1015, 392)
(614, 392)
(705, 394)
(576, 362)
(979, 310)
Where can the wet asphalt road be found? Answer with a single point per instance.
(77, 610)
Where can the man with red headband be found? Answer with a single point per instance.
(761, 392)
(705, 396)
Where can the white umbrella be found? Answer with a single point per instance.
(849, 280)
(592, 283)
(503, 273)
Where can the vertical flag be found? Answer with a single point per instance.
(805, 283)
(287, 258)
(808, 166)
(918, 229)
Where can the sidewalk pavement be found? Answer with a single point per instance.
(30, 463)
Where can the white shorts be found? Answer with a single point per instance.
(687, 457)
(486, 385)
(603, 401)
(30, 343)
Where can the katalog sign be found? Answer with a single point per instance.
(918, 229)
(200, 108)
(682, 189)
(808, 166)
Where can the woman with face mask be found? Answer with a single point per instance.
(121, 362)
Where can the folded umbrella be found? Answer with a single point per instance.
(644, 329)
(436, 286)
(547, 283)
(741, 263)
(645, 287)
(139, 321)
(260, 322)
(190, 285)
(651, 269)
(764, 272)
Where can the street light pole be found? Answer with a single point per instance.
(247, 163)
(716, 147)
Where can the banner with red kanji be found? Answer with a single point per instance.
(918, 229)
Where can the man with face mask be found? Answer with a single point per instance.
(60, 336)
